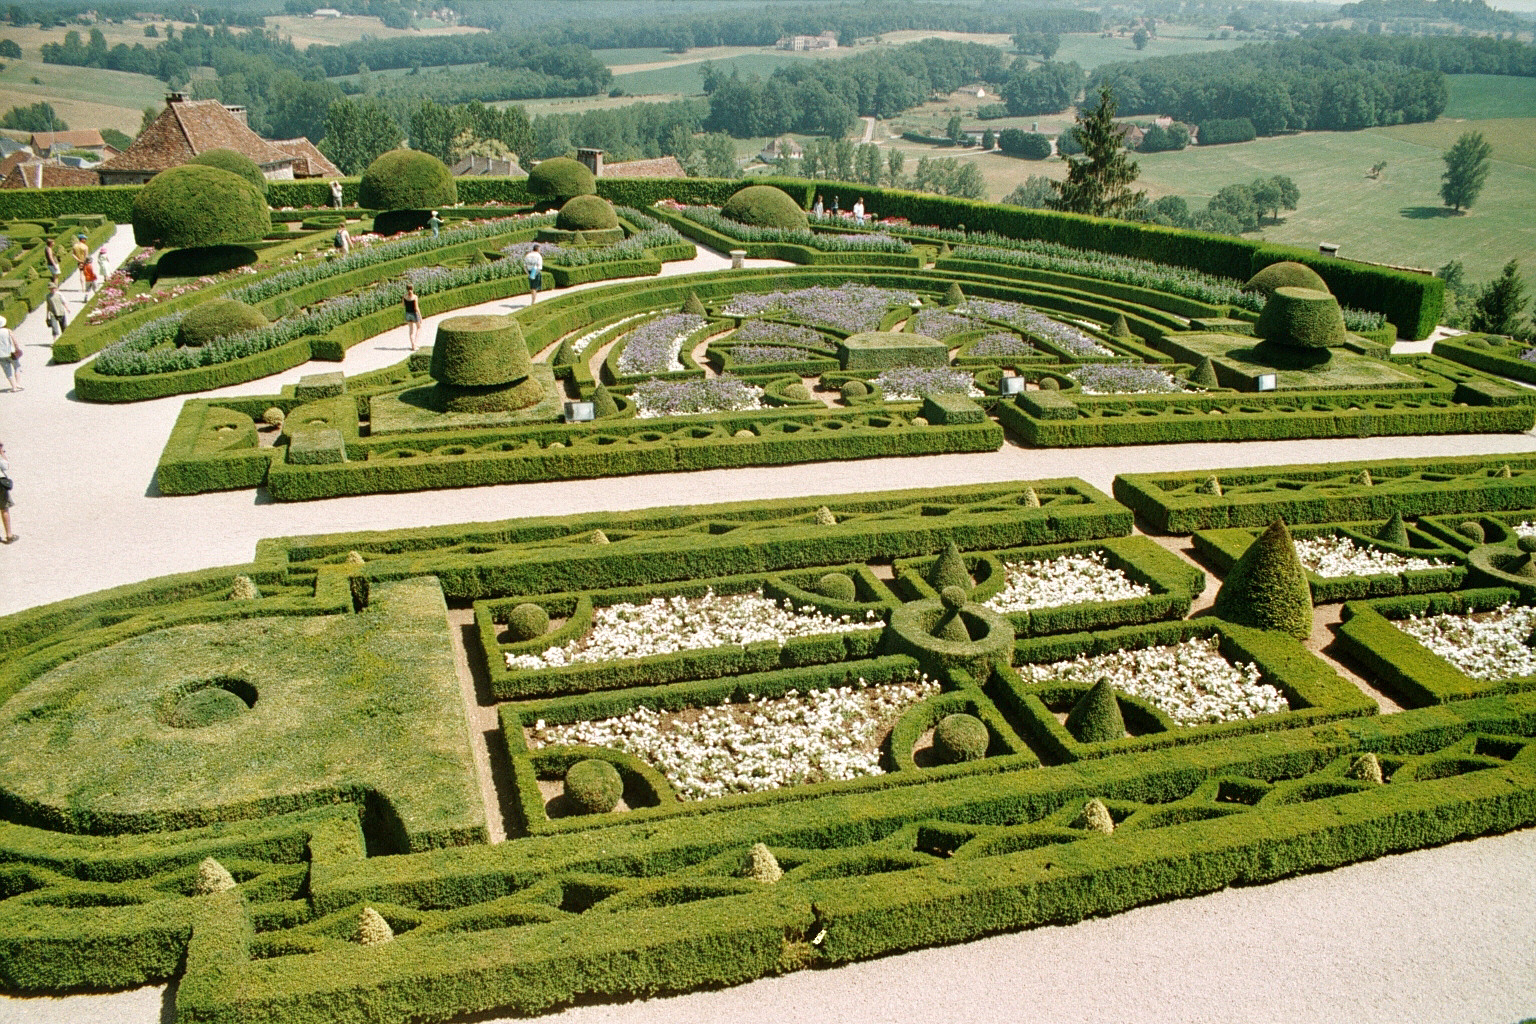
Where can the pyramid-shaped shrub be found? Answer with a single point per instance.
(1267, 587)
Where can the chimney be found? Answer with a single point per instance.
(175, 97)
(593, 158)
(240, 112)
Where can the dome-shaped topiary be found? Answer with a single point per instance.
(960, 737)
(1267, 587)
(853, 389)
(234, 163)
(1049, 384)
(1095, 817)
(1473, 531)
(1301, 318)
(559, 179)
(407, 179)
(593, 786)
(1395, 531)
(764, 206)
(797, 391)
(212, 877)
(838, 586)
(1365, 768)
(1096, 718)
(743, 432)
(761, 865)
(586, 213)
(218, 318)
(273, 416)
(195, 207)
(949, 570)
(1285, 275)
(603, 403)
(527, 621)
(372, 929)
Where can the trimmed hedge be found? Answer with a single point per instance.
(407, 179)
(235, 163)
(192, 206)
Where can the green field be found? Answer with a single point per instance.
(1488, 96)
(686, 78)
(82, 97)
(1090, 50)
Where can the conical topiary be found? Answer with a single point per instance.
(1095, 718)
(598, 537)
(950, 626)
(1363, 479)
(565, 355)
(949, 571)
(1473, 531)
(243, 588)
(693, 305)
(1210, 485)
(1120, 329)
(761, 865)
(603, 403)
(1365, 768)
(1205, 374)
(824, 517)
(372, 929)
(1395, 531)
(1504, 472)
(953, 296)
(1095, 817)
(354, 558)
(212, 877)
(1031, 498)
(1267, 587)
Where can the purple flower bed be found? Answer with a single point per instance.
(1070, 339)
(653, 347)
(851, 307)
(783, 334)
(941, 324)
(1529, 355)
(1125, 379)
(682, 397)
(752, 355)
(1001, 343)
(905, 383)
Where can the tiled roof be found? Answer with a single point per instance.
(485, 165)
(21, 156)
(186, 128)
(83, 138)
(40, 175)
(308, 162)
(661, 167)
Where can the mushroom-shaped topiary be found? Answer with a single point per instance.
(1365, 768)
(1267, 587)
(1395, 531)
(1095, 718)
(764, 206)
(1301, 318)
(838, 586)
(234, 163)
(198, 207)
(559, 179)
(1095, 817)
(481, 364)
(586, 213)
(372, 929)
(593, 786)
(407, 179)
(527, 621)
(218, 318)
(960, 737)
(212, 877)
(761, 865)
(1285, 275)
(949, 570)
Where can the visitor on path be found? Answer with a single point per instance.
(58, 310)
(344, 240)
(101, 263)
(837, 211)
(52, 256)
(10, 356)
(412, 315)
(87, 272)
(534, 261)
(858, 211)
(5, 498)
(336, 194)
(818, 209)
(435, 223)
(80, 251)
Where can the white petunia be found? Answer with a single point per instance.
(1068, 579)
(1332, 556)
(1484, 645)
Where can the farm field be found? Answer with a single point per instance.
(1090, 49)
(82, 97)
(31, 38)
(336, 31)
(1485, 96)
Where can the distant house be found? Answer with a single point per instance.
(10, 147)
(825, 41)
(781, 147)
(186, 128)
(327, 12)
(36, 174)
(47, 143)
(489, 167)
(1131, 135)
(659, 167)
(13, 158)
(308, 162)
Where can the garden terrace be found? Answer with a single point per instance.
(23, 261)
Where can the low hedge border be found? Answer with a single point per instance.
(1488, 353)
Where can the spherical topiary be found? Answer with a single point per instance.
(1285, 275)
(1267, 587)
(593, 786)
(273, 417)
(586, 213)
(838, 586)
(1301, 318)
(193, 206)
(1049, 384)
(949, 571)
(560, 179)
(764, 206)
(853, 389)
(407, 179)
(1526, 544)
(234, 163)
(953, 597)
(1096, 718)
(959, 738)
(212, 877)
(218, 318)
(797, 391)
(527, 621)
(1473, 531)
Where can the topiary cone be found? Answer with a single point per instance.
(761, 865)
(1205, 374)
(598, 537)
(1120, 329)
(565, 355)
(825, 517)
(603, 403)
(1210, 485)
(1395, 531)
(372, 929)
(949, 571)
(1095, 718)
(1365, 768)
(212, 877)
(243, 588)
(693, 305)
(953, 296)
(1363, 479)
(1031, 498)
(1267, 587)
(1095, 817)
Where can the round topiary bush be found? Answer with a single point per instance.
(586, 213)
(218, 318)
(838, 586)
(560, 179)
(797, 391)
(1285, 275)
(959, 738)
(407, 179)
(764, 206)
(1301, 318)
(853, 389)
(593, 786)
(193, 206)
(234, 163)
(527, 621)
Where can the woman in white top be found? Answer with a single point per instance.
(5, 498)
(10, 356)
(858, 211)
(534, 261)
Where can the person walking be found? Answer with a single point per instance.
(412, 315)
(51, 255)
(534, 261)
(336, 194)
(10, 356)
(5, 499)
(101, 264)
(435, 223)
(858, 211)
(58, 310)
(818, 209)
(344, 240)
(82, 254)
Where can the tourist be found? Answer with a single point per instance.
(818, 208)
(412, 314)
(344, 240)
(435, 223)
(52, 256)
(10, 356)
(101, 263)
(534, 261)
(336, 194)
(858, 211)
(5, 498)
(58, 310)
(837, 210)
(87, 267)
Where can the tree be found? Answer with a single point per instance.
(1099, 182)
(718, 155)
(357, 133)
(1238, 201)
(1467, 164)
(1139, 39)
(37, 117)
(10, 48)
(150, 115)
(867, 164)
(679, 142)
(1035, 193)
(1500, 302)
(435, 129)
(842, 158)
(952, 130)
(988, 140)
(1047, 89)
(297, 107)
(895, 160)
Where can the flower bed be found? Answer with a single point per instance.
(1332, 556)
(1125, 379)
(1068, 338)
(781, 334)
(1068, 579)
(908, 383)
(1484, 645)
(685, 397)
(667, 625)
(1190, 682)
(941, 324)
(710, 217)
(1001, 343)
(756, 745)
(850, 307)
(654, 347)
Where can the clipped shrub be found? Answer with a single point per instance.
(586, 213)
(273, 416)
(1285, 274)
(1095, 718)
(560, 179)
(598, 537)
(764, 206)
(693, 305)
(1031, 499)
(481, 364)
(953, 296)
(1473, 531)
(960, 737)
(234, 163)
(949, 571)
(1120, 328)
(919, 421)
(838, 586)
(1504, 472)
(1095, 817)
(825, 516)
(1301, 318)
(603, 403)
(798, 391)
(593, 786)
(1267, 587)
(1363, 479)
(193, 206)
(1365, 768)
(372, 929)
(212, 877)
(526, 621)
(1205, 374)
(953, 598)
(743, 432)
(1526, 544)
(355, 558)
(219, 318)
(243, 589)
(1210, 485)
(1049, 384)
(565, 354)
(1395, 531)
(853, 389)
(407, 179)
(761, 865)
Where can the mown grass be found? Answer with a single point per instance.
(1489, 96)
(81, 97)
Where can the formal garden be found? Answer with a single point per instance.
(736, 740)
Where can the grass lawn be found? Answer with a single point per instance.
(1090, 49)
(82, 97)
(686, 78)
(1488, 96)
(336, 31)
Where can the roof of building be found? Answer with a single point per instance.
(36, 174)
(21, 156)
(186, 128)
(82, 138)
(488, 166)
(660, 167)
(308, 162)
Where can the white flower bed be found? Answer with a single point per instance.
(580, 345)
(1190, 682)
(1069, 579)
(666, 625)
(763, 744)
(1484, 645)
(1340, 556)
(1526, 529)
